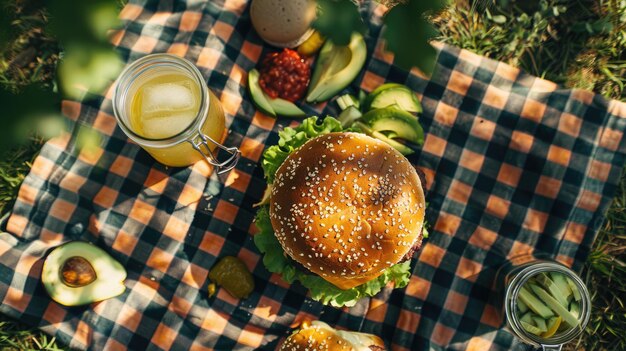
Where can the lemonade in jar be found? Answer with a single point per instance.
(162, 103)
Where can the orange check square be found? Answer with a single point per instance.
(251, 336)
(559, 155)
(225, 211)
(483, 238)
(599, 170)
(418, 287)
(442, 334)
(251, 149)
(509, 175)
(521, 141)
(459, 82)
(589, 200)
(497, 206)
(445, 114)
(447, 223)
(434, 145)
(141, 212)
(408, 321)
(164, 337)
(610, 139)
(160, 260)
(574, 232)
(459, 191)
(483, 128)
(456, 302)
(548, 187)
(212, 243)
(533, 110)
(432, 255)
(468, 269)
(189, 21)
(62, 209)
(570, 124)
(471, 160)
(496, 97)
(145, 44)
(377, 310)
(125, 243)
(371, 81)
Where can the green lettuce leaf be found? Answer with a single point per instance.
(291, 139)
(275, 258)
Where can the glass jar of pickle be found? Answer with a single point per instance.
(545, 304)
(162, 103)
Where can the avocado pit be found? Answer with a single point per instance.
(76, 271)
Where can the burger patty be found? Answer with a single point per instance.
(418, 242)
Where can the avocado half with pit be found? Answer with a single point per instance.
(266, 104)
(78, 273)
(336, 68)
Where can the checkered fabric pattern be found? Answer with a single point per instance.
(516, 166)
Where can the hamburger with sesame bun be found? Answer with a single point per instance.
(318, 336)
(343, 214)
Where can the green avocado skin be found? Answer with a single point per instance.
(109, 281)
(336, 67)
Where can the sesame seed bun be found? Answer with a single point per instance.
(347, 207)
(283, 23)
(320, 336)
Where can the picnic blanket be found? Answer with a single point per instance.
(516, 166)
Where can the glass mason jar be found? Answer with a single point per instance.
(159, 84)
(514, 276)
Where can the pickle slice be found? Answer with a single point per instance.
(553, 326)
(552, 288)
(574, 288)
(528, 318)
(521, 306)
(540, 323)
(530, 328)
(555, 305)
(534, 304)
(574, 308)
(559, 280)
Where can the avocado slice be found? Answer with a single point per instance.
(392, 119)
(268, 105)
(405, 150)
(258, 96)
(401, 96)
(336, 68)
(78, 273)
(285, 108)
(367, 100)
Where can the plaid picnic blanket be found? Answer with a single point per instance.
(515, 165)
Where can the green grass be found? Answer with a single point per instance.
(577, 43)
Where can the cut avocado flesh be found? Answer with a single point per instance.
(336, 68)
(285, 108)
(400, 122)
(79, 273)
(398, 96)
(258, 96)
(268, 105)
(405, 150)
